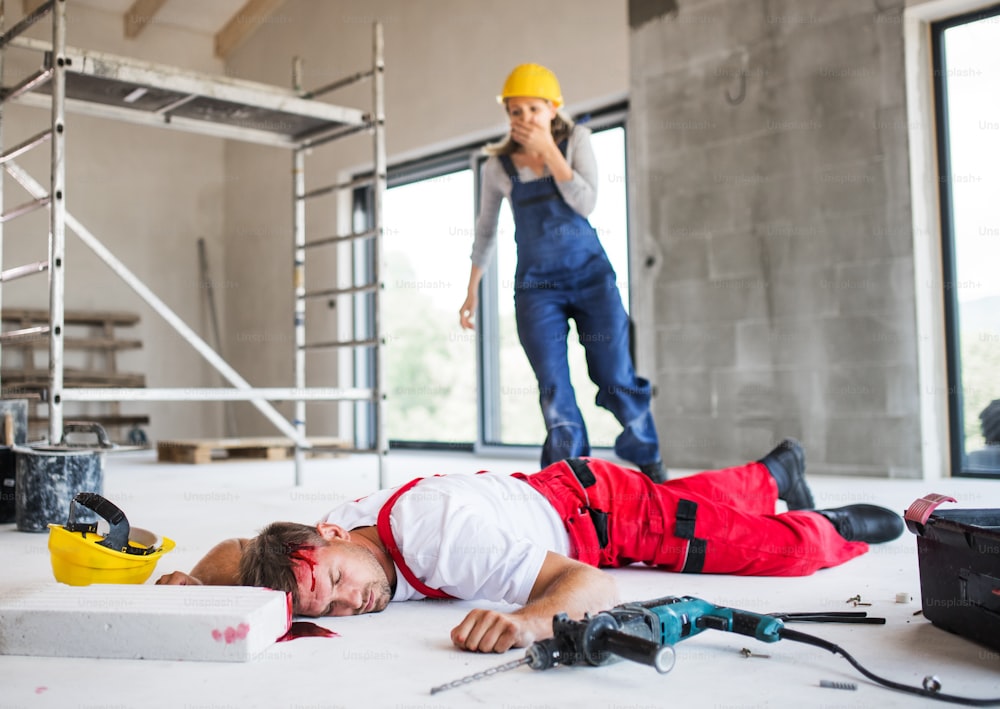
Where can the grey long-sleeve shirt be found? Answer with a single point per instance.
(580, 192)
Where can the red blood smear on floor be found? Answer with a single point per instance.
(305, 629)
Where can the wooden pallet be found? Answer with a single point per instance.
(211, 450)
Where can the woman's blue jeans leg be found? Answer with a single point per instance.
(603, 327)
(543, 326)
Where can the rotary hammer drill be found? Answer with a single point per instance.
(646, 632)
(643, 632)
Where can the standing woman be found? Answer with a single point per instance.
(546, 168)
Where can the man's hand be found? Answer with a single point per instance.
(562, 586)
(177, 578)
(491, 631)
(219, 567)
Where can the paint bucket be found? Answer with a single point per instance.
(14, 418)
(49, 476)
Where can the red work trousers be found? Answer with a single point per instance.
(718, 522)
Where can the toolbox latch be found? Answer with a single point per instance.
(921, 510)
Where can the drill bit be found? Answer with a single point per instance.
(513, 665)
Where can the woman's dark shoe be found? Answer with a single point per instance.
(865, 523)
(787, 465)
(654, 471)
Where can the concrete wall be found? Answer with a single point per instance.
(445, 63)
(773, 218)
(147, 194)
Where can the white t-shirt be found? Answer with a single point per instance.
(475, 537)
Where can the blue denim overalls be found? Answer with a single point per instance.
(562, 273)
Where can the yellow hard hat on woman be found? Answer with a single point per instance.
(532, 80)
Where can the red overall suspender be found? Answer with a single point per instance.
(389, 542)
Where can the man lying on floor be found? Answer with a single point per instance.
(537, 541)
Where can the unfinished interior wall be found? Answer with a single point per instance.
(445, 64)
(147, 194)
(771, 231)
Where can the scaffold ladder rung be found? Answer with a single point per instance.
(26, 208)
(362, 181)
(369, 288)
(339, 343)
(28, 269)
(27, 145)
(26, 335)
(27, 85)
(340, 239)
(340, 83)
(26, 22)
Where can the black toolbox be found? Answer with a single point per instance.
(959, 558)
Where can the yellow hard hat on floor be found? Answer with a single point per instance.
(80, 556)
(532, 80)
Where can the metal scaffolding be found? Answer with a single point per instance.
(108, 86)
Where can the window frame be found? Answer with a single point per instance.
(952, 339)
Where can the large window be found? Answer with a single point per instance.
(430, 363)
(967, 77)
(446, 387)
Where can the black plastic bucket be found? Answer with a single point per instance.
(50, 476)
(8, 479)
(14, 416)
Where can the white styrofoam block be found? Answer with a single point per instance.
(214, 623)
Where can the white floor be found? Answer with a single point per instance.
(394, 658)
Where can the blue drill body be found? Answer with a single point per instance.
(644, 632)
(681, 617)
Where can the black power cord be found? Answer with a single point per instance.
(788, 634)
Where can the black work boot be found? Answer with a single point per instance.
(654, 471)
(787, 465)
(865, 523)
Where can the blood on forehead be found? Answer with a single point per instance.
(303, 561)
